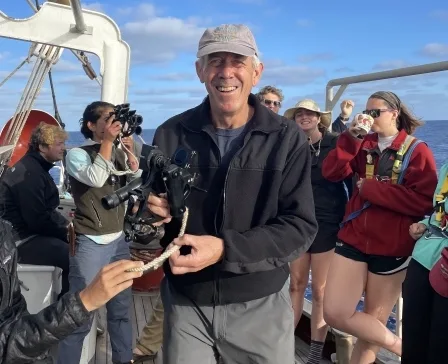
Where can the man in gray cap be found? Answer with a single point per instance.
(225, 293)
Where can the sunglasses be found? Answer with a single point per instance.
(275, 103)
(375, 113)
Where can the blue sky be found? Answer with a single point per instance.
(303, 46)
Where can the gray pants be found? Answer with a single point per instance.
(259, 331)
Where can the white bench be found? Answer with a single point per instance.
(44, 284)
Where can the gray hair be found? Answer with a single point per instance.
(203, 61)
(270, 90)
(406, 119)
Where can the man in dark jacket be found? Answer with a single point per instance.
(29, 199)
(225, 292)
(24, 337)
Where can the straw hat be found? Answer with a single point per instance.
(325, 116)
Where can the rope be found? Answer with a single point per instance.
(14, 71)
(156, 263)
(55, 104)
(32, 89)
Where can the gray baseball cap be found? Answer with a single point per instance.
(232, 38)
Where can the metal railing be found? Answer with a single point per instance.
(330, 100)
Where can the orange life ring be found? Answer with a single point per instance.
(34, 119)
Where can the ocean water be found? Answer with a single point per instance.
(433, 133)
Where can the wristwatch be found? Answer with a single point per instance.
(344, 119)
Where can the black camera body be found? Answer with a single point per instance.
(129, 120)
(160, 175)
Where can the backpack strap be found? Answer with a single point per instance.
(398, 163)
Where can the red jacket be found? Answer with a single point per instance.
(383, 228)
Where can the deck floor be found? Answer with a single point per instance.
(141, 314)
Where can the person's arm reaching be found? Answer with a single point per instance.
(29, 336)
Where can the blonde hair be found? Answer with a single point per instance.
(46, 135)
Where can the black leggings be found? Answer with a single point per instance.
(425, 319)
(45, 250)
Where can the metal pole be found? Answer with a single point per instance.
(401, 72)
(79, 18)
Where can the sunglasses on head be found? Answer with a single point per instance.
(275, 103)
(374, 113)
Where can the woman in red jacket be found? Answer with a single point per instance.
(374, 248)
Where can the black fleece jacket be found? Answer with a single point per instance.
(261, 204)
(29, 199)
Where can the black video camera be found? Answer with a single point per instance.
(129, 120)
(160, 175)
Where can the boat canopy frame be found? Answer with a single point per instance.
(92, 32)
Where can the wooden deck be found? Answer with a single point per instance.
(141, 314)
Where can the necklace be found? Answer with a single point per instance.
(314, 150)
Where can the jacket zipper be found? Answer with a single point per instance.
(6, 287)
(365, 212)
(97, 214)
(246, 138)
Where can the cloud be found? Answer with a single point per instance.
(249, 2)
(66, 66)
(317, 96)
(392, 64)
(142, 11)
(439, 14)
(94, 6)
(4, 55)
(18, 75)
(80, 87)
(174, 105)
(158, 39)
(191, 91)
(290, 75)
(435, 50)
(344, 70)
(325, 56)
(304, 23)
(174, 76)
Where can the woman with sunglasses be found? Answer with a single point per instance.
(374, 246)
(329, 200)
(96, 169)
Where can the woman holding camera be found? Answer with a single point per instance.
(96, 170)
(374, 246)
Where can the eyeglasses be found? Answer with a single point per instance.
(375, 113)
(275, 103)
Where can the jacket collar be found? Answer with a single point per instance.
(327, 139)
(371, 141)
(41, 160)
(263, 120)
